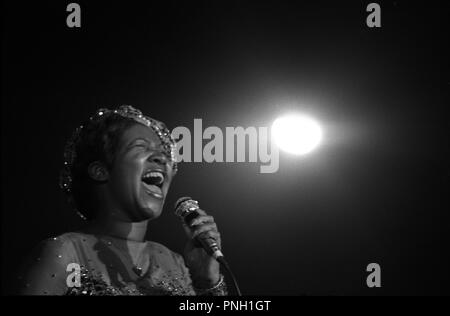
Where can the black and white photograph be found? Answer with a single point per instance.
(243, 149)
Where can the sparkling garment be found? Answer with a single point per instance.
(107, 266)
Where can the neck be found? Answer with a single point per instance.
(124, 230)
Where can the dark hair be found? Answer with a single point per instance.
(98, 141)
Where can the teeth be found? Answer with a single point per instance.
(154, 174)
(158, 176)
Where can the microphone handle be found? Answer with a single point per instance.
(208, 243)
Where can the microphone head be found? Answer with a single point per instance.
(184, 206)
(181, 200)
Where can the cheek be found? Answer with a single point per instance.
(127, 173)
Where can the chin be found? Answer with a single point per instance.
(151, 211)
(149, 206)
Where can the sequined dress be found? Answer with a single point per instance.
(87, 264)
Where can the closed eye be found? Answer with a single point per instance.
(145, 145)
(139, 144)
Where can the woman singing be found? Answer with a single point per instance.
(117, 172)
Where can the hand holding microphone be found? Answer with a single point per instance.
(203, 248)
(200, 226)
(204, 244)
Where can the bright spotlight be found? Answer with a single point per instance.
(296, 134)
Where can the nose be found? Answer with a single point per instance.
(158, 158)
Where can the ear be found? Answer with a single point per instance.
(98, 171)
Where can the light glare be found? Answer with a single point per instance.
(296, 134)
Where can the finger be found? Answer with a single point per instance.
(214, 235)
(201, 212)
(204, 228)
(211, 234)
(202, 220)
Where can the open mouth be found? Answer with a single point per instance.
(153, 181)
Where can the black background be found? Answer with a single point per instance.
(376, 191)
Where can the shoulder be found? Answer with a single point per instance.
(72, 237)
(57, 245)
(64, 243)
(57, 251)
(45, 269)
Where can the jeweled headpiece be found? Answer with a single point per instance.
(126, 111)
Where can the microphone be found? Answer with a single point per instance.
(186, 209)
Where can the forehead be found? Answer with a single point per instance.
(139, 131)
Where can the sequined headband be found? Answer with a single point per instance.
(126, 111)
